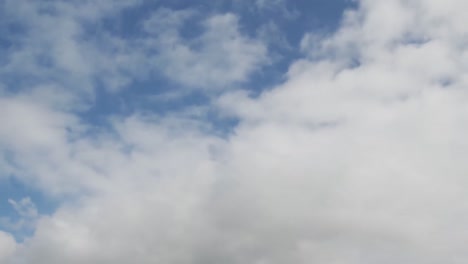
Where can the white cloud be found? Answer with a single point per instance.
(50, 45)
(81, 53)
(219, 57)
(359, 157)
(7, 246)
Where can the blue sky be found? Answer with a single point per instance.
(283, 22)
(265, 131)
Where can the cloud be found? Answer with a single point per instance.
(358, 157)
(88, 50)
(7, 246)
(219, 57)
(38, 54)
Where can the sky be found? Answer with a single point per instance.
(233, 131)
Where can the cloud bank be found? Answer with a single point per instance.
(357, 157)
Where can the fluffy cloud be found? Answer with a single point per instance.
(39, 55)
(7, 246)
(358, 157)
(88, 48)
(219, 57)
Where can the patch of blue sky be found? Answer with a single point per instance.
(12, 189)
(145, 100)
(290, 20)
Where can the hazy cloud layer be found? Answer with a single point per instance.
(357, 157)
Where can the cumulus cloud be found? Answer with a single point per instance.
(7, 246)
(358, 157)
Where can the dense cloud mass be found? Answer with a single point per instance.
(357, 157)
